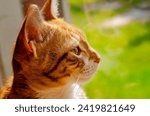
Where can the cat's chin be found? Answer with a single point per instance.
(83, 79)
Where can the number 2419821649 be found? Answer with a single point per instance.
(106, 108)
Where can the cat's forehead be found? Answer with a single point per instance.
(62, 37)
(62, 32)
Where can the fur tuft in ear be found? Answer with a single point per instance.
(50, 9)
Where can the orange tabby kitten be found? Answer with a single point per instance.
(52, 59)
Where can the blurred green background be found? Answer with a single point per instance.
(121, 34)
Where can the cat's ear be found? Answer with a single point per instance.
(29, 33)
(50, 9)
(33, 24)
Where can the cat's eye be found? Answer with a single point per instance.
(76, 51)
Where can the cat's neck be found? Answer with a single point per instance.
(21, 90)
(71, 91)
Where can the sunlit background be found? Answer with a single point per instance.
(120, 31)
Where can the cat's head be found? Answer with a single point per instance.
(50, 52)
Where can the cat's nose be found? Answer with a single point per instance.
(97, 59)
(95, 56)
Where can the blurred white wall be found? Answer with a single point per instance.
(10, 22)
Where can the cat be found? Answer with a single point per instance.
(51, 59)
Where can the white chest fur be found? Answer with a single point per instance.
(73, 91)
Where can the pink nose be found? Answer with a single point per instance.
(97, 60)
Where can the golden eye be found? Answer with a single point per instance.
(76, 51)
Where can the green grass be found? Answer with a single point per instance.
(125, 66)
(79, 2)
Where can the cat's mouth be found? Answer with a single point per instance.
(87, 73)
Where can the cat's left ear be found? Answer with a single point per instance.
(30, 33)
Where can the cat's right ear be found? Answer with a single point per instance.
(50, 9)
(29, 33)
